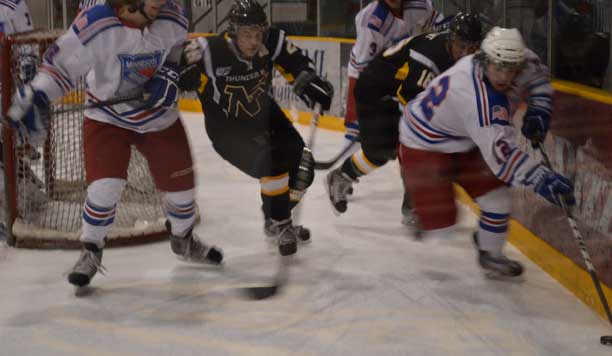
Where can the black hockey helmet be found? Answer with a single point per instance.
(466, 27)
(245, 13)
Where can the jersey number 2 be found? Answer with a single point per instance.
(435, 97)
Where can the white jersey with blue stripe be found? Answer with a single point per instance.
(14, 17)
(460, 111)
(378, 29)
(116, 60)
(84, 4)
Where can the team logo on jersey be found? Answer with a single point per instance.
(502, 151)
(137, 69)
(500, 115)
(243, 100)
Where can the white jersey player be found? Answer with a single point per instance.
(123, 47)
(459, 130)
(14, 17)
(379, 25)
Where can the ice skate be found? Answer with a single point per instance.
(191, 249)
(302, 233)
(285, 235)
(339, 186)
(88, 264)
(497, 265)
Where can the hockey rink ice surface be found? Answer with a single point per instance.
(363, 287)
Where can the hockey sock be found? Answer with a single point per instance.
(492, 232)
(275, 196)
(180, 211)
(358, 165)
(493, 225)
(99, 209)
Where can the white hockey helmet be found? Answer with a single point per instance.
(504, 46)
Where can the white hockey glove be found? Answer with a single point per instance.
(192, 52)
(162, 89)
(29, 116)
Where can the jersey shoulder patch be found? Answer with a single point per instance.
(93, 21)
(378, 17)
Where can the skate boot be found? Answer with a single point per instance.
(339, 185)
(86, 266)
(498, 265)
(302, 233)
(190, 248)
(284, 234)
(408, 216)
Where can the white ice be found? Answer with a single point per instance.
(363, 287)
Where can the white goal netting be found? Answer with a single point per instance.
(46, 185)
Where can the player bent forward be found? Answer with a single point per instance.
(104, 39)
(246, 126)
(458, 130)
(398, 74)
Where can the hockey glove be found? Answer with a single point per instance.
(191, 66)
(312, 90)
(29, 115)
(162, 89)
(535, 125)
(552, 186)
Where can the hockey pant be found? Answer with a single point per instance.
(271, 154)
(108, 150)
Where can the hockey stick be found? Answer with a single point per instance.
(282, 272)
(606, 339)
(328, 164)
(99, 104)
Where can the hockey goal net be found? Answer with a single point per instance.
(45, 186)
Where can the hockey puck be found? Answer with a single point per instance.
(606, 340)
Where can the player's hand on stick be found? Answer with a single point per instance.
(162, 89)
(190, 66)
(535, 125)
(312, 90)
(29, 115)
(552, 186)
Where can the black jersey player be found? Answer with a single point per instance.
(397, 74)
(246, 126)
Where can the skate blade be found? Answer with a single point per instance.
(498, 276)
(83, 291)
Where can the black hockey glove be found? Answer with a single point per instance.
(535, 125)
(191, 66)
(312, 90)
(162, 89)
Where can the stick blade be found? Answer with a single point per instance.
(260, 293)
(606, 340)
